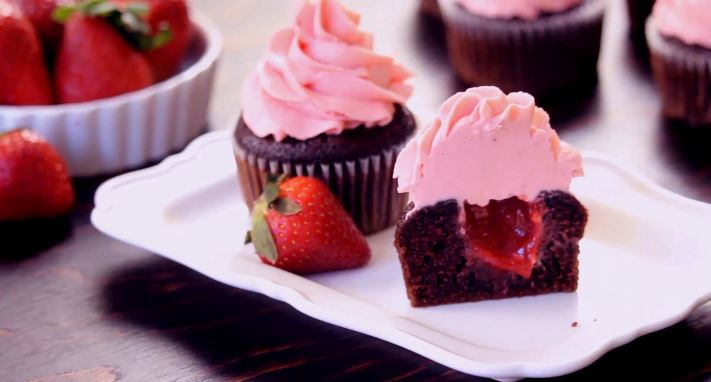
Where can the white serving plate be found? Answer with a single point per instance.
(129, 130)
(644, 265)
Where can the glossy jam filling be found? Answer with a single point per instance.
(505, 233)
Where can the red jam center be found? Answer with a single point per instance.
(505, 234)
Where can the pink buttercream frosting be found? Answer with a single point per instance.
(523, 9)
(687, 20)
(321, 76)
(485, 145)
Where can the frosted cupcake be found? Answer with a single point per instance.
(679, 38)
(544, 47)
(491, 215)
(323, 104)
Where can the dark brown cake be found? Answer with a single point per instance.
(439, 267)
(356, 164)
(553, 55)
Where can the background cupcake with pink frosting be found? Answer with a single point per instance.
(544, 47)
(322, 103)
(679, 37)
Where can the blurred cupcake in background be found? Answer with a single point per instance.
(638, 12)
(679, 38)
(544, 47)
(323, 104)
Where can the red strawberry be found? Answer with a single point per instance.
(39, 12)
(298, 225)
(33, 178)
(23, 76)
(95, 61)
(165, 61)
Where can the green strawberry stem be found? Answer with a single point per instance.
(261, 235)
(129, 21)
(7, 132)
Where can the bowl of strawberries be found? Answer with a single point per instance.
(111, 84)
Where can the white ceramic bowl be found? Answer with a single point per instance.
(130, 130)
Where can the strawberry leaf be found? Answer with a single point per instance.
(286, 207)
(100, 9)
(271, 187)
(271, 192)
(128, 20)
(134, 24)
(261, 235)
(62, 13)
(8, 132)
(138, 8)
(162, 38)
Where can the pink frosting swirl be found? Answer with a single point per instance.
(485, 145)
(322, 76)
(523, 9)
(687, 20)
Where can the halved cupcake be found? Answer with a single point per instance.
(490, 214)
(679, 38)
(323, 104)
(544, 47)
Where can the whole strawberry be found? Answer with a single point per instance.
(173, 14)
(298, 225)
(101, 52)
(33, 178)
(39, 12)
(24, 79)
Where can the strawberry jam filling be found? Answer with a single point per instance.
(504, 233)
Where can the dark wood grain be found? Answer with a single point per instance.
(78, 306)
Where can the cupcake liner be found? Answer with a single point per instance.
(683, 76)
(557, 52)
(364, 186)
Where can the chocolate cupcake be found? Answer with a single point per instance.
(323, 104)
(546, 48)
(638, 12)
(679, 38)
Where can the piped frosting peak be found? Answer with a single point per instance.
(687, 20)
(321, 76)
(486, 145)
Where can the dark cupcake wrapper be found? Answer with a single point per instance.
(365, 186)
(557, 52)
(683, 76)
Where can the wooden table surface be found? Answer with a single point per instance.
(78, 306)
